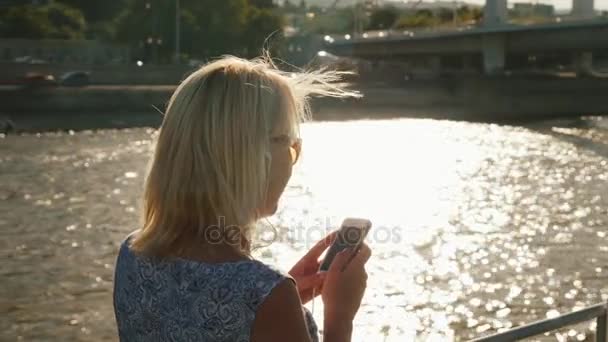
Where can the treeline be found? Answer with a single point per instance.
(208, 27)
(359, 17)
(442, 17)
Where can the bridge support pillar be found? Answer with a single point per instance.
(434, 67)
(583, 63)
(493, 53)
(583, 9)
(495, 12)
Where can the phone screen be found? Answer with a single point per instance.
(352, 233)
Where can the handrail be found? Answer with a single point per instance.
(598, 311)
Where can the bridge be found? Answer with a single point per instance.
(487, 45)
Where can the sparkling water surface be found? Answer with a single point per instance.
(477, 227)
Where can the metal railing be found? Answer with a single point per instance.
(598, 312)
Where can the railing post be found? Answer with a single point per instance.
(601, 326)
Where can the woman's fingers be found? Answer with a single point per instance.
(310, 261)
(364, 253)
(341, 260)
(310, 285)
(360, 256)
(321, 245)
(311, 281)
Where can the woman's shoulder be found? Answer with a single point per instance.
(255, 276)
(251, 273)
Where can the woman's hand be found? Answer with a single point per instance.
(344, 287)
(305, 272)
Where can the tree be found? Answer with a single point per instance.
(383, 18)
(289, 7)
(477, 14)
(422, 18)
(466, 14)
(55, 20)
(261, 24)
(24, 22)
(68, 22)
(149, 28)
(98, 11)
(262, 3)
(223, 23)
(338, 21)
(426, 13)
(208, 27)
(445, 15)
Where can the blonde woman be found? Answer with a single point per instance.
(223, 158)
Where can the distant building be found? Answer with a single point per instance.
(583, 9)
(430, 5)
(62, 51)
(495, 12)
(533, 10)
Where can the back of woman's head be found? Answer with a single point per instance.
(210, 169)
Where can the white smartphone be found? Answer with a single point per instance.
(352, 233)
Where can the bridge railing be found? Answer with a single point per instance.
(599, 312)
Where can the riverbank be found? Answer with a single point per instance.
(469, 99)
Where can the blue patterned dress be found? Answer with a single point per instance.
(184, 300)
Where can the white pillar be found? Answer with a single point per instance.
(493, 53)
(583, 62)
(495, 12)
(583, 9)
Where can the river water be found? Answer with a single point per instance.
(477, 227)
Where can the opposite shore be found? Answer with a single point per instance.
(495, 99)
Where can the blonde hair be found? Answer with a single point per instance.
(211, 161)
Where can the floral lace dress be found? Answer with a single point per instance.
(184, 300)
